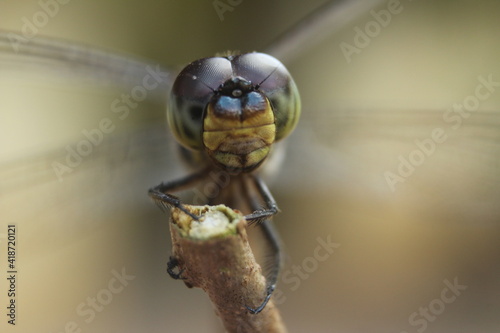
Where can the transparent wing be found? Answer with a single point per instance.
(75, 63)
(329, 18)
(79, 128)
(408, 156)
(83, 137)
(372, 126)
(400, 112)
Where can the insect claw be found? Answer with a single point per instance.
(186, 211)
(261, 307)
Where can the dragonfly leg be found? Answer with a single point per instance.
(273, 262)
(261, 307)
(166, 200)
(172, 264)
(262, 219)
(260, 215)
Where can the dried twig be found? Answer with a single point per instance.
(214, 254)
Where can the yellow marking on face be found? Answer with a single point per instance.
(239, 140)
(237, 162)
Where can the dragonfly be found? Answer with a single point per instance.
(86, 139)
(230, 110)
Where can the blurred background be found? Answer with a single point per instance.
(398, 244)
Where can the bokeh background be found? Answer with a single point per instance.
(396, 247)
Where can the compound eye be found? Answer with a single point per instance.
(192, 90)
(271, 77)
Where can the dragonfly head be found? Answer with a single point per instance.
(234, 108)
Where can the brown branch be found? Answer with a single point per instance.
(214, 255)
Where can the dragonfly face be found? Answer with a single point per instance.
(234, 108)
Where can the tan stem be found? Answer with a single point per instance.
(214, 255)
